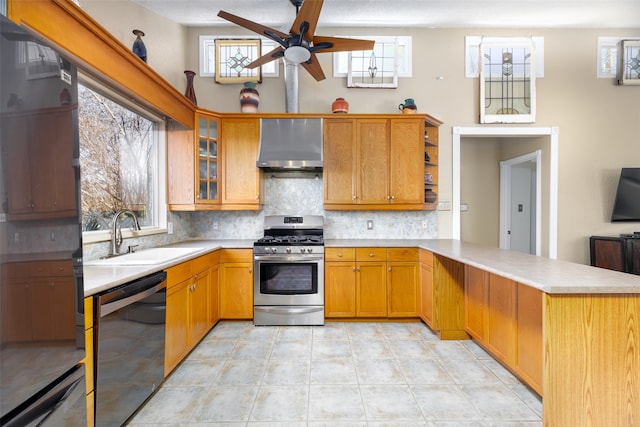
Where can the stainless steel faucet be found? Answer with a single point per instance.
(116, 233)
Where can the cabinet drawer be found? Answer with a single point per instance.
(39, 269)
(236, 255)
(371, 254)
(339, 254)
(61, 268)
(178, 273)
(201, 263)
(402, 254)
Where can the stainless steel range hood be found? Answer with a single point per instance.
(290, 144)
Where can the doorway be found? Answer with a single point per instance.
(521, 203)
(549, 228)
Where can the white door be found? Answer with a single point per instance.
(520, 197)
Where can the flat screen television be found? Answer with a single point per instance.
(627, 204)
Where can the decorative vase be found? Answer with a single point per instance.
(249, 98)
(430, 196)
(408, 107)
(138, 46)
(340, 105)
(190, 92)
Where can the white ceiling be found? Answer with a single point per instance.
(415, 13)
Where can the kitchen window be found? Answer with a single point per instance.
(122, 162)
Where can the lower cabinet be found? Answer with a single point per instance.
(88, 360)
(505, 317)
(371, 282)
(426, 287)
(236, 284)
(403, 282)
(191, 300)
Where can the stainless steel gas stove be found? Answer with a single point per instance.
(289, 271)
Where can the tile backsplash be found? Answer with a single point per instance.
(285, 195)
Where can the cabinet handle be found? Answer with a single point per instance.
(372, 255)
(388, 197)
(358, 269)
(389, 270)
(249, 270)
(340, 255)
(354, 269)
(393, 197)
(354, 197)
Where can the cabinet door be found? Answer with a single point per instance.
(214, 295)
(339, 161)
(207, 165)
(476, 292)
(502, 318)
(198, 307)
(340, 289)
(371, 289)
(64, 183)
(236, 291)
(529, 353)
(15, 310)
(240, 141)
(426, 294)
(176, 336)
(17, 179)
(373, 161)
(406, 176)
(403, 288)
(62, 297)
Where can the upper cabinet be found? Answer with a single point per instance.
(214, 167)
(38, 159)
(375, 163)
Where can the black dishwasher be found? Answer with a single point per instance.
(129, 347)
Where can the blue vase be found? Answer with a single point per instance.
(138, 46)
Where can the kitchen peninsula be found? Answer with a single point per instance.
(588, 332)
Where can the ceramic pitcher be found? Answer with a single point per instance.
(408, 107)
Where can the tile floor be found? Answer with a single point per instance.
(340, 374)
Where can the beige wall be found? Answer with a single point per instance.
(599, 122)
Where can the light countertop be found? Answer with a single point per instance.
(548, 275)
(101, 278)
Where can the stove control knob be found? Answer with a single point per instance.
(309, 250)
(288, 250)
(274, 250)
(301, 250)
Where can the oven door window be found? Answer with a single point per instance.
(288, 278)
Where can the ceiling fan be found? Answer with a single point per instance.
(301, 44)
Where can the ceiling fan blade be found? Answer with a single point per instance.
(340, 44)
(309, 12)
(268, 57)
(314, 68)
(256, 28)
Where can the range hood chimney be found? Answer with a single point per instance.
(290, 144)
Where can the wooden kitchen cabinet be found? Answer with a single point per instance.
(431, 162)
(374, 163)
(476, 289)
(427, 288)
(214, 167)
(38, 157)
(403, 282)
(340, 282)
(501, 332)
(188, 307)
(371, 282)
(38, 301)
(242, 180)
(236, 284)
(529, 352)
(88, 360)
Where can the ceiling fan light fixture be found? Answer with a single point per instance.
(297, 54)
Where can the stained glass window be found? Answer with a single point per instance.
(507, 87)
(232, 58)
(629, 62)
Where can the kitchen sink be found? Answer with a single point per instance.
(145, 257)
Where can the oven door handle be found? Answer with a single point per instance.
(287, 258)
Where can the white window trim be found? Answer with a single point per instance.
(207, 45)
(341, 64)
(160, 184)
(610, 44)
(472, 52)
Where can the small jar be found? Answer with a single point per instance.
(340, 105)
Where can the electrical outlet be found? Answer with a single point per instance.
(369, 224)
(216, 226)
(464, 207)
(444, 206)
(424, 224)
(170, 227)
(52, 236)
(16, 237)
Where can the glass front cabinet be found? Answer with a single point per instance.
(207, 189)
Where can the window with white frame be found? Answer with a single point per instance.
(122, 162)
(208, 56)
(386, 63)
(608, 56)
